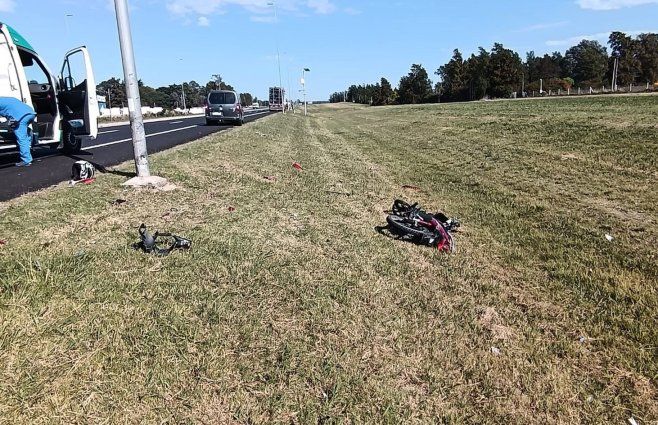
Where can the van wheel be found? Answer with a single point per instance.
(71, 144)
(240, 121)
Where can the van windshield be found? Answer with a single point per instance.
(221, 98)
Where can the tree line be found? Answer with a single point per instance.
(501, 73)
(168, 97)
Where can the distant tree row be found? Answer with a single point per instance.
(167, 97)
(501, 73)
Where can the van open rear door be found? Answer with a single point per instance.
(77, 95)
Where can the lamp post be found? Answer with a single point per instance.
(182, 88)
(132, 89)
(304, 71)
(278, 56)
(66, 21)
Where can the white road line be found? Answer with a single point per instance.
(175, 122)
(106, 132)
(130, 139)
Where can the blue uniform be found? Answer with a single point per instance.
(15, 110)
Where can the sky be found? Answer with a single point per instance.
(342, 42)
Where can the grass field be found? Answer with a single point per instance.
(292, 308)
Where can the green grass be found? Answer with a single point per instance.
(292, 308)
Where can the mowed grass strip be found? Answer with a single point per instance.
(292, 308)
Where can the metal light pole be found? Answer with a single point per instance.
(278, 56)
(182, 87)
(304, 71)
(66, 21)
(132, 89)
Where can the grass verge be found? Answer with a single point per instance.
(292, 308)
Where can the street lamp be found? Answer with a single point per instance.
(278, 56)
(182, 87)
(304, 71)
(66, 21)
(132, 90)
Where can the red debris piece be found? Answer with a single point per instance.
(231, 209)
(88, 181)
(410, 186)
(297, 166)
(3, 242)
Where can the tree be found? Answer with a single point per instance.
(624, 48)
(416, 86)
(587, 63)
(647, 54)
(505, 71)
(453, 77)
(115, 90)
(383, 93)
(477, 74)
(246, 99)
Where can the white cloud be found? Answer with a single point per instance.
(612, 4)
(601, 36)
(257, 7)
(323, 7)
(7, 5)
(203, 21)
(352, 11)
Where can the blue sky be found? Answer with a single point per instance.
(341, 41)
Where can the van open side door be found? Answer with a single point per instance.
(77, 95)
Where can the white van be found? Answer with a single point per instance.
(66, 106)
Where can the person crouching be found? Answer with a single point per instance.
(19, 116)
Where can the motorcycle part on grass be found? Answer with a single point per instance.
(82, 170)
(412, 222)
(150, 244)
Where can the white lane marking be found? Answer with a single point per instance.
(130, 139)
(106, 132)
(175, 122)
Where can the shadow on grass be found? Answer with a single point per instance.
(387, 232)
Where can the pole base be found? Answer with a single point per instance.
(153, 182)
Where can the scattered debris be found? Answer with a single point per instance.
(118, 202)
(83, 181)
(582, 339)
(590, 399)
(335, 192)
(632, 421)
(297, 166)
(495, 351)
(609, 238)
(149, 242)
(231, 209)
(270, 178)
(411, 187)
(3, 242)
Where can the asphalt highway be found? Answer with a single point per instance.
(112, 146)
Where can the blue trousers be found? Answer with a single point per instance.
(24, 139)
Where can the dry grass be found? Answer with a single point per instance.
(293, 309)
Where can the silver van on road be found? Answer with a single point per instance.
(224, 106)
